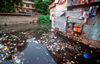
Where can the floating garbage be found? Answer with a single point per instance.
(58, 41)
(72, 62)
(36, 42)
(90, 46)
(98, 61)
(0, 61)
(1, 39)
(37, 58)
(1, 46)
(77, 42)
(27, 61)
(79, 47)
(44, 58)
(31, 40)
(98, 50)
(86, 56)
(68, 62)
(46, 53)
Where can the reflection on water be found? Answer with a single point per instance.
(33, 52)
(24, 32)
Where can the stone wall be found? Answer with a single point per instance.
(17, 19)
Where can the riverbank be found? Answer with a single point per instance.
(62, 49)
(68, 50)
(18, 18)
(85, 40)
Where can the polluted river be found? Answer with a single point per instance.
(35, 43)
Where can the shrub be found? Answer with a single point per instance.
(43, 18)
(48, 18)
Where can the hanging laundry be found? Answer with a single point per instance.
(97, 0)
(81, 11)
(84, 1)
(95, 11)
(80, 17)
(93, 0)
(85, 19)
(92, 11)
(87, 1)
(77, 1)
(85, 13)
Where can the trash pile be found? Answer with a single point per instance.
(57, 47)
(17, 58)
(9, 44)
(67, 52)
(4, 52)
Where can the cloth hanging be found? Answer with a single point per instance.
(94, 14)
(84, 1)
(93, 0)
(84, 14)
(84, 19)
(81, 11)
(92, 10)
(95, 11)
(87, 1)
(88, 16)
(80, 17)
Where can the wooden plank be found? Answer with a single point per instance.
(78, 25)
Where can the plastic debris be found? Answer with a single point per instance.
(98, 50)
(86, 55)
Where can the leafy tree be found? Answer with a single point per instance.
(8, 5)
(48, 18)
(42, 6)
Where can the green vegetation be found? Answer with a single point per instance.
(44, 25)
(8, 5)
(43, 8)
(44, 18)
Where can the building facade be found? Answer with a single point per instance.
(27, 6)
(78, 11)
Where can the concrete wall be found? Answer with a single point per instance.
(92, 29)
(60, 8)
(17, 19)
(74, 15)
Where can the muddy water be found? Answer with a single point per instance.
(38, 54)
(33, 55)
